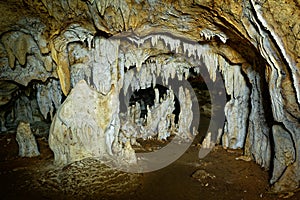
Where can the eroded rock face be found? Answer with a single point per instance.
(254, 44)
(6, 94)
(284, 151)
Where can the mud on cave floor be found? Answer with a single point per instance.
(218, 176)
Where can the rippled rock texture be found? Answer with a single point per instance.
(48, 47)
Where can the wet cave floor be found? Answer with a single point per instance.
(218, 176)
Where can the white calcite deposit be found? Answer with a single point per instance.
(85, 126)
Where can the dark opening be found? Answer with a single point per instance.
(147, 96)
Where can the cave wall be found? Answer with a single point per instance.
(256, 46)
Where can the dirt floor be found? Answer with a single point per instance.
(218, 176)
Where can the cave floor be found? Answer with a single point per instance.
(219, 176)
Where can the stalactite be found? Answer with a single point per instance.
(49, 98)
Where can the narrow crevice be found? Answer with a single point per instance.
(104, 34)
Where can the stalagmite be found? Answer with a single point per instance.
(128, 155)
(186, 114)
(156, 99)
(158, 112)
(137, 112)
(111, 134)
(163, 126)
(258, 144)
(206, 144)
(83, 127)
(128, 131)
(236, 109)
(26, 140)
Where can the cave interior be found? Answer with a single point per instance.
(112, 83)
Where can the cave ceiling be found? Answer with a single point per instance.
(45, 21)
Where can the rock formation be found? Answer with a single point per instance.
(85, 126)
(26, 140)
(75, 61)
